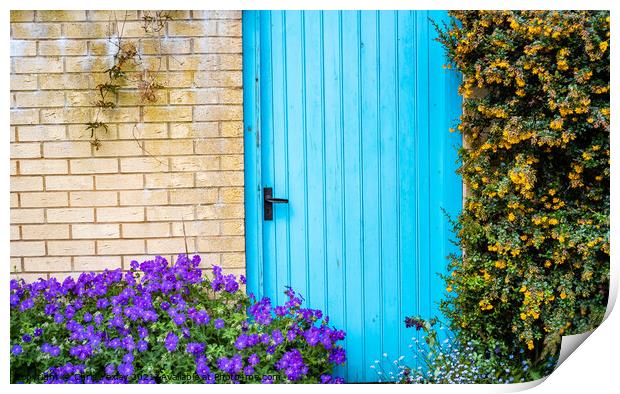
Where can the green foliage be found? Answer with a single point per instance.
(535, 226)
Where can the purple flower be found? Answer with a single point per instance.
(277, 337)
(195, 348)
(312, 336)
(26, 338)
(179, 319)
(17, 350)
(142, 345)
(264, 338)
(201, 317)
(26, 304)
(55, 351)
(218, 324)
(125, 369)
(171, 342)
(291, 335)
(143, 332)
(14, 299)
(253, 359)
(102, 303)
(337, 356)
(232, 285)
(249, 370)
(114, 343)
(110, 369)
(146, 380)
(38, 332)
(203, 370)
(326, 341)
(241, 342)
(128, 343)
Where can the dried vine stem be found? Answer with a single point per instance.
(127, 53)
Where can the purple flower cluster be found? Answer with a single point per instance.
(159, 310)
(231, 365)
(226, 282)
(293, 365)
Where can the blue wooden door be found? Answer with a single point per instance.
(347, 115)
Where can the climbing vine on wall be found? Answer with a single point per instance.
(534, 230)
(128, 70)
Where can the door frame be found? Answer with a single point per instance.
(252, 152)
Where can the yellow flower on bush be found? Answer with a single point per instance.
(540, 108)
(556, 124)
(603, 46)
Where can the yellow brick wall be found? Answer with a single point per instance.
(74, 208)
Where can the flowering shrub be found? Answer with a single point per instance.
(535, 227)
(442, 358)
(165, 323)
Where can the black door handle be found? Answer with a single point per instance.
(268, 201)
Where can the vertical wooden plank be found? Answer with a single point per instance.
(314, 160)
(446, 187)
(353, 201)
(370, 165)
(407, 166)
(389, 194)
(438, 127)
(333, 124)
(296, 150)
(267, 146)
(251, 127)
(423, 196)
(279, 152)
(333, 166)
